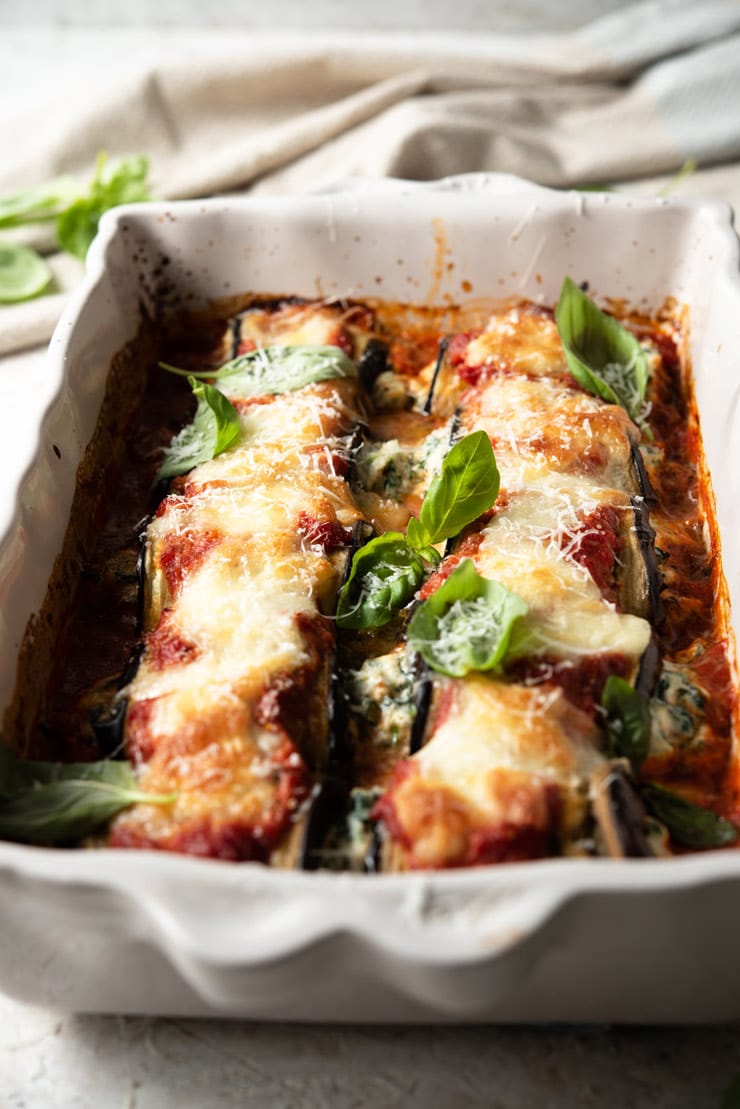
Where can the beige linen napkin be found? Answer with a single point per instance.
(632, 94)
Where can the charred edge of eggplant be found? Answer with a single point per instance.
(108, 724)
(621, 815)
(648, 671)
(141, 541)
(646, 539)
(441, 352)
(236, 336)
(339, 750)
(332, 792)
(422, 703)
(454, 436)
(355, 443)
(373, 362)
(647, 492)
(338, 753)
(267, 303)
(373, 860)
(329, 799)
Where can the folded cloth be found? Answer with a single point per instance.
(633, 93)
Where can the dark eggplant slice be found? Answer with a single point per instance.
(649, 669)
(642, 480)
(441, 352)
(373, 861)
(620, 814)
(107, 721)
(422, 703)
(141, 574)
(107, 726)
(353, 450)
(652, 582)
(236, 336)
(329, 800)
(373, 362)
(339, 748)
(455, 426)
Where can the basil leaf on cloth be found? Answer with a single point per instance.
(43, 202)
(123, 183)
(23, 273)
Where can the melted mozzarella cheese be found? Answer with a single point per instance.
(525, 341)
(496, 725)
(493, 768)
(238, 609)
(568, 617)
(293, 325)
(538, 418)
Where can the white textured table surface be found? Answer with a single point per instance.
(51, 1061)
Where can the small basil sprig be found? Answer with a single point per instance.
(466, 486)
(51, 802)
(602, 356)
(277, 370)
(627, 720)
(388, 570)
(23, 273)
(215, 427)
(688, 824)
(125, 182)
(466, 624)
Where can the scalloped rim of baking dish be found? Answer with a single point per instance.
(208, 918)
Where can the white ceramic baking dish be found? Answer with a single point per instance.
(556, 940)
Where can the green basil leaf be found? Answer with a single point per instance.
(688, 824)
(602, 356)
(417, 535)
(215, 427)
(51, 802)
(281, 370)
(123, 183)
(627, 720)
(385, 574)
(466, 485)
(466, 624)
(23, 273)
(40, 203)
